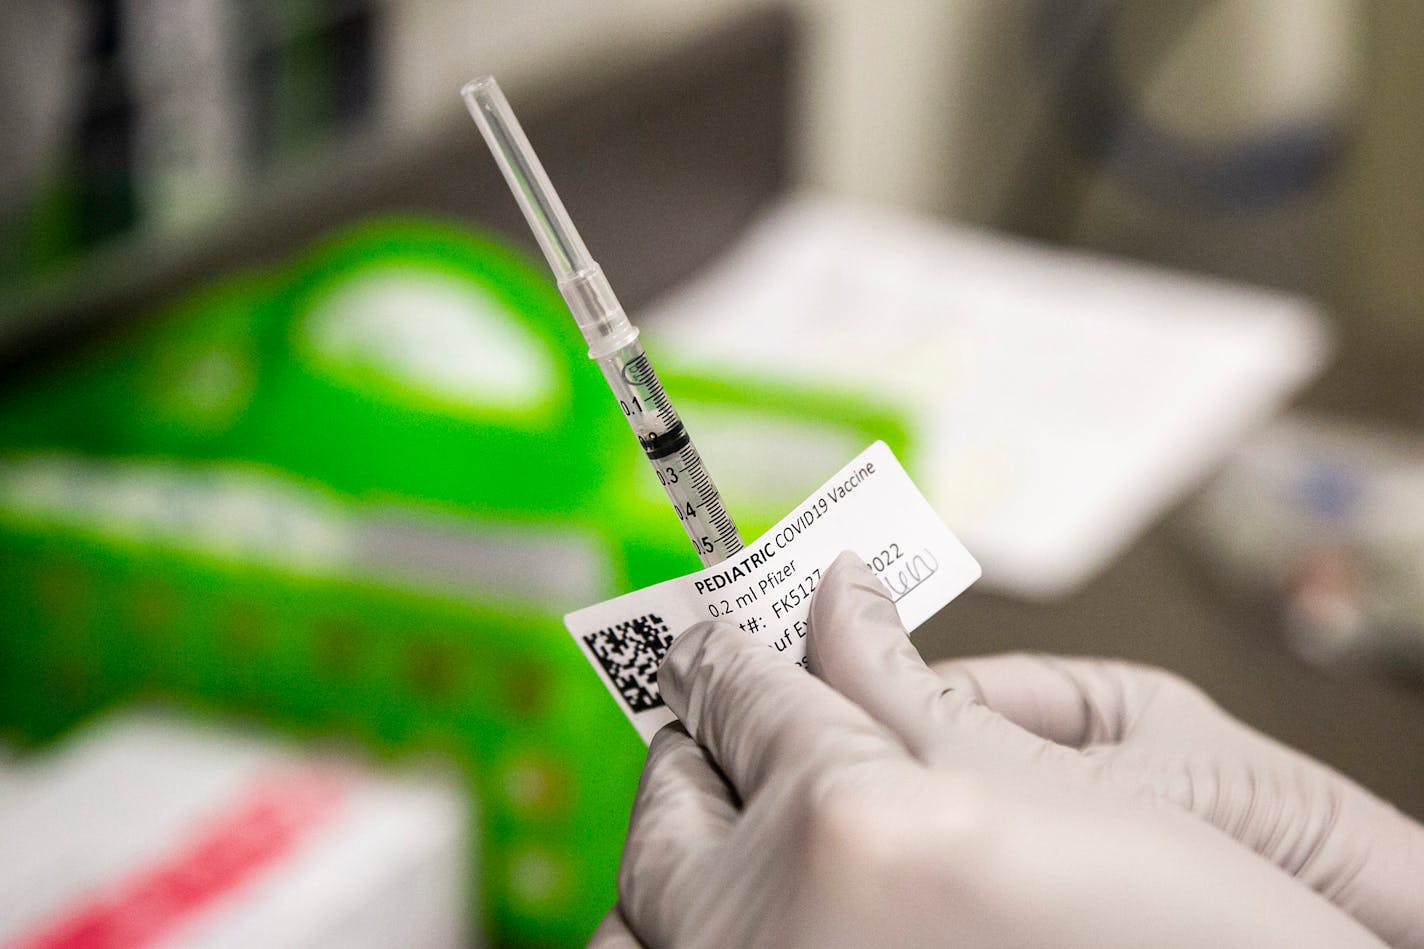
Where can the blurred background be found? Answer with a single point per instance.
(302, 460)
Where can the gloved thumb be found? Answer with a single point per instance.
(1089, 702)
(857, 645)
(1074, 702)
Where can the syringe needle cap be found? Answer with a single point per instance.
(542, 208)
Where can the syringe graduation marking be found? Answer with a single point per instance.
(639, 372)
(667, 443)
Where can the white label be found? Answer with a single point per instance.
(870, 506)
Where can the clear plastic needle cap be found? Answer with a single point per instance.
(580, 279)
(541, 205)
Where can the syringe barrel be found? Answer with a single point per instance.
(669, 449)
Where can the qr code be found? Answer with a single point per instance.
(630, 652)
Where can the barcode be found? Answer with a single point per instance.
(630, 652)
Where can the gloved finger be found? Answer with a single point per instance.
(613, 933)
(759, 715)
(1074, 702)
(683, 809)
(858, 645)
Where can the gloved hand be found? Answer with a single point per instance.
(877, 807)
(1145, 728)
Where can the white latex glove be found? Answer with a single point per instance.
(808, 820)
(1146, 728)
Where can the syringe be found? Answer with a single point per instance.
(612, 339)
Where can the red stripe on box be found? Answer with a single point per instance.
(256, 832)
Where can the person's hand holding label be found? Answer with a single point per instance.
(875, 806)
(764, 591)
